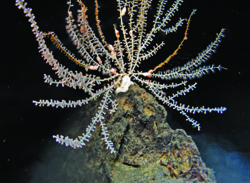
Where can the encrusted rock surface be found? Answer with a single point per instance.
(147, 149)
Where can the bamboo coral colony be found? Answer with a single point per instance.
(108, 59)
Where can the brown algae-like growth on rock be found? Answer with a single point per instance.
(147, 149)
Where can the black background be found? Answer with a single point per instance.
(26, 131)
